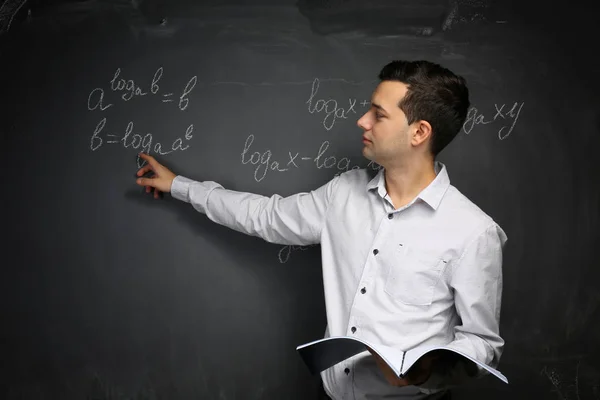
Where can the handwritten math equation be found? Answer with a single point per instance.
(330, 107)
(505, 115)
(128, 136)
(263, 162)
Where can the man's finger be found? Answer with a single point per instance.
(149, 159)
(144, 170)
(145, 181)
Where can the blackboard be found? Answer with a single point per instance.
(107, 293)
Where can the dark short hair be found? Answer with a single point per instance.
(435, 94)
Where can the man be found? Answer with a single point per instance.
(407, 259)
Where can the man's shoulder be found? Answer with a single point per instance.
(471, 215)
(358, 177)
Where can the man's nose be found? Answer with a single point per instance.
(362, 123)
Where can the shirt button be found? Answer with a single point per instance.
(390, 216)
(347, 371)
(363, 290)
(353, 329)
(375, 251)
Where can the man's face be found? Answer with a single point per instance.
(385, 126)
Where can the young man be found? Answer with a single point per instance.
(407, 259)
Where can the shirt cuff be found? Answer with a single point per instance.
(180, 188)
(193, 192)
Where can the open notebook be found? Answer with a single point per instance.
(324, 353)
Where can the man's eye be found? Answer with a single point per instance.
(377, 115)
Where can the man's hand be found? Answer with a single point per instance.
(161, 178)
(418, 374)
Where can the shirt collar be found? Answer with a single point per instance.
(432, 194)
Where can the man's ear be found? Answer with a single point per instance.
(422, 132)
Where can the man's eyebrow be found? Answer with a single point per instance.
(377, 106)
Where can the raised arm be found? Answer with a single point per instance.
(296, 219)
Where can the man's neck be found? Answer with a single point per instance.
(404, 182)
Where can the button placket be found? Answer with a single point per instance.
(372, 265)
(371, 269)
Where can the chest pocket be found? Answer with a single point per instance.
(412, 275)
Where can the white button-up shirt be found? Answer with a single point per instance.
(428, 273)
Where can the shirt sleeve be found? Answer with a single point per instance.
(294, 220)
(477, 284)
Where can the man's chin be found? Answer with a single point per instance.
(367, 154)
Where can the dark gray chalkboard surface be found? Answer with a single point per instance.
(106, 293)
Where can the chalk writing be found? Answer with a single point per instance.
(284, 253)
(98, 95)
(330, 107)
(508, 119)
(129, 89)
(264, 161)
(569, 382)
(137, 140)
(183, 99)
(554, 378)
(128, 86)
